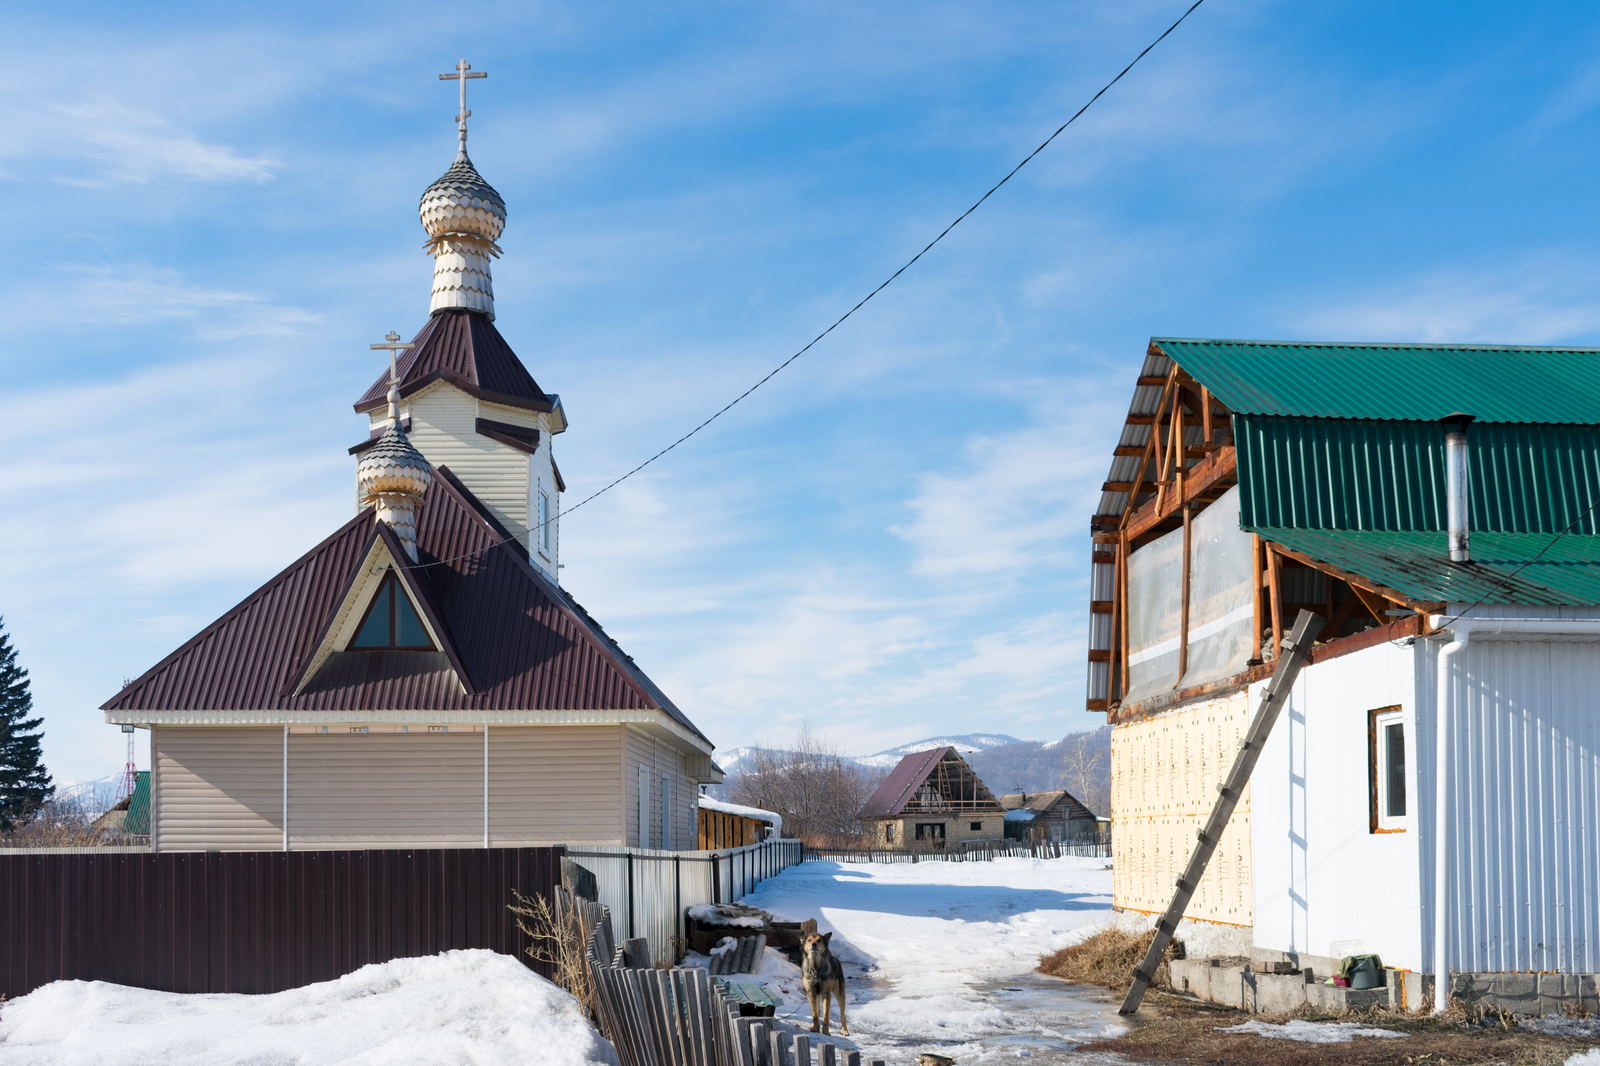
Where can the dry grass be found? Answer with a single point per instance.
(1166, 1030)
(1108, 959)
(557, 940)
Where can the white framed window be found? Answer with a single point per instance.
(1386, 759)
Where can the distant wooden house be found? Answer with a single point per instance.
(728, 825)
(1053, 816)
(930, 799)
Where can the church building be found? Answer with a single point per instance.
(420, 678)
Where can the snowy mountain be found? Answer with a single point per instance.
(966, 744)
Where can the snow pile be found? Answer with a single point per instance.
(925, 944)
(460, 1007)
(774, 820)
(1310, 1032)
(1585, 1058)
(734, 914)
(1561, 1025)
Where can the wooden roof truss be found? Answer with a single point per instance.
(1186, 462)
(952, 788)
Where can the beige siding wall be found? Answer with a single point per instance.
(217, 788)
(444, 429)
(990, 827)
(385, 790)
(643, 750)
(554, 785)
(1164, 773)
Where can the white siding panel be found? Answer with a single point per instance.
(1524, 867)
(217, 788)
(385, 790)
(554, 785)
(1321, 875)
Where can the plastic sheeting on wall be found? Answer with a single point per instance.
(1221, 609)
(1155, 605)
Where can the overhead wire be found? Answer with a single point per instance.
(859, 304)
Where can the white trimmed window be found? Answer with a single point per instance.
(544, 520)
(1386, 744)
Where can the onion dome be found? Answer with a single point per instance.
(463, 216)
(393, 477)
(462, 202)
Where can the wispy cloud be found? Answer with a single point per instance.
(1542, 299)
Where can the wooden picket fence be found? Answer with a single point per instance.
(680, 1016)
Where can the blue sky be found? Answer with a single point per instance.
(211, 211)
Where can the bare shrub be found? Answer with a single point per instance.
(65, 821)
(812, 784)
(558, 941)
(1108, 959)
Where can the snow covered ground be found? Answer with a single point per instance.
(940, 955)
(460, 1007)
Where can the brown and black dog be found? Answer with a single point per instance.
(822, 976)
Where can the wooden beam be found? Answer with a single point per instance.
(1134, 451)
(1152, 380)
(1122, 598)
(1140, 420)
(1357, 581)
(1341, 616)
(1099, 655)
(1183, 612)
(1100, 606)
(1118, 614)
(1276, 601)
(1216, 471)
(1257, 577)
(1205, 415)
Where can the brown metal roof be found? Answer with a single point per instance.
(1043, 802)
(520, 642)
(902, 783)
(463, 348)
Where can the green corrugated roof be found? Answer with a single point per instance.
(1329, 473)
(1418, 564)
(138, 819)
(1395, 381)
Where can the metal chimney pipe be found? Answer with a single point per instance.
(1455, 481)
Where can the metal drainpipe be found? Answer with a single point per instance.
(1461, 633)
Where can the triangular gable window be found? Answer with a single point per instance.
(391, 622)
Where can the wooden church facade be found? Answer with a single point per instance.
(420, 678)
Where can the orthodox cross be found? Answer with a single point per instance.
(461, 75)
(393, 346)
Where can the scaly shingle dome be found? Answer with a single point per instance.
(462, 202)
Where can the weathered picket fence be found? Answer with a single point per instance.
(973, 851)
(680, 1016)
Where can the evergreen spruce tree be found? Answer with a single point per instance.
(24, 782)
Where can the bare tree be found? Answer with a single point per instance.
(817, 789)
(1086, 766)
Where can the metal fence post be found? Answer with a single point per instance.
(631, 933)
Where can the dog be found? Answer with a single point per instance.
(822, 976)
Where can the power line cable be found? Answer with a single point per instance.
(863, 301)
(1503, 582)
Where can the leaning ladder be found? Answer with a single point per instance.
(1296, 648)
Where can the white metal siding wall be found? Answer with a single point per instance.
(554, 785)
(1525, 863)
(375, 790)
(1321, 875)
(217, 788)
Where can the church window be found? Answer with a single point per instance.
(391, 622)
(544, 520)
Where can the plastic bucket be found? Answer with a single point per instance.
(1364, 973)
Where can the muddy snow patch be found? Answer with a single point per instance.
(1311, 1032)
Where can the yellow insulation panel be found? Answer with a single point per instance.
(1164, 776)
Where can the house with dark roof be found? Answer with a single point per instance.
(1431, 792)
(930, 799)
(1053, 816)
(420, 678)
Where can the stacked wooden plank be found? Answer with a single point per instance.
(680, 1016)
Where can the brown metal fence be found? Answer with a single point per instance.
(255, 921)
